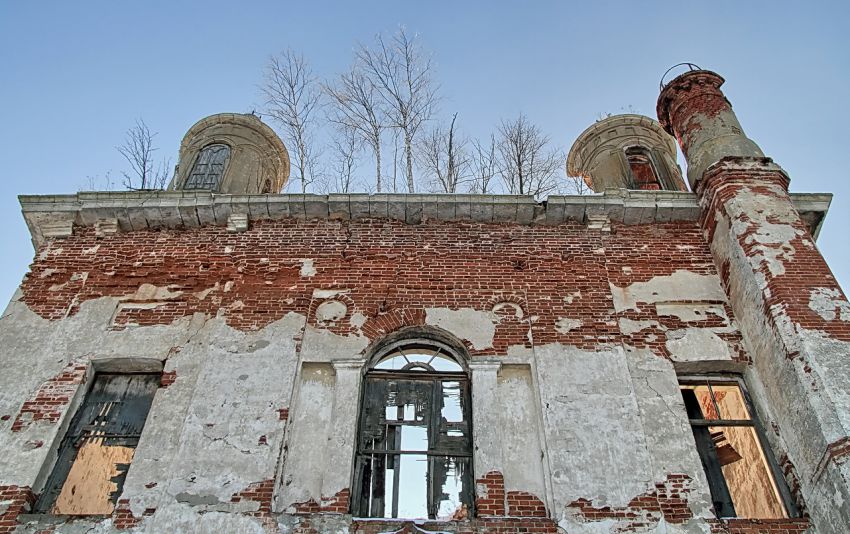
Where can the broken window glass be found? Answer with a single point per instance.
(208, 168)
(96, 452)
(741, 476)
(644, 175)
(415, 444)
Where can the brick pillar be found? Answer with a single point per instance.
(794, 317)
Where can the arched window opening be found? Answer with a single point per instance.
(209, 168)
(644, 174)
(414, 449)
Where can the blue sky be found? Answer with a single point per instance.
(75, 75)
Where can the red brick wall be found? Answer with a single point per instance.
(20, 500)
(393, 271)
(49, 401)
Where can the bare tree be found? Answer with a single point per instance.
(401, 72)
(484, 163)
(138, 150)
(356, 106)
(575, 185)
(527, 165)
(346, 144)
(443, 157)
(292, 96)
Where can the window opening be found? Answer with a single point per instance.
(96, 451)
(209, 168)
(414, 457)
(741, 475)
(644, 174)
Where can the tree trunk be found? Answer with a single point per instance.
(378, 166)
(408, 152)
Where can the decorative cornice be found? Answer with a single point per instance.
(144, 210)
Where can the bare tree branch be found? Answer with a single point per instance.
(401, 72)
(357, 106)
(484, 165)
(292, 96)
(138, 150)
(527, 165)
(444, 159)
(346, 144)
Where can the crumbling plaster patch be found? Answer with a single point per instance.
(696, 344)
(565, 324)
(308, 269)
(475, 326)
(679, 286)
(829, 304)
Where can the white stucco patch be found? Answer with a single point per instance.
(691, 312)
(696, 344)
(565, 324)
(630, 326)
(307, 268)
(829, 304)
(681, 285)
(330, 311)
(474, 326)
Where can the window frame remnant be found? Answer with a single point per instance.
(107, 426)
(715, 451)
(654, 161)
(418, 391)
(208, 169)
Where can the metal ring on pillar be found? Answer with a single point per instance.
(691, 66)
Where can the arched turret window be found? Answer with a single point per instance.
(209, 168)
(414, 447)
(644, 173)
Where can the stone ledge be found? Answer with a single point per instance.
(142, 210)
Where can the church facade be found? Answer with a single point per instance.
(670, 355)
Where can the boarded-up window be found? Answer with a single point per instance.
(209, 168)
(742, 476)
(415, 442)
(97, 450)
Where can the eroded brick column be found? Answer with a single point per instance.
(794, 317)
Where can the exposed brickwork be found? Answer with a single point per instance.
(51, 398)
(392, 273)
(259, 492)
(490, 495)
(787, 293)
(122, 517)
(686, 103)
(476, 526)
(524, 504)
(338, 504)
(16, 500)
(758, 526)
(669, 500)
(283, 414)
(167, 378)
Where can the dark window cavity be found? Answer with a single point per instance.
(743, 478)
(96, 452)
(414, 450)
(209, 168)
(643, 169)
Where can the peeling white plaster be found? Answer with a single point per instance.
(565, 324)
(829, 304)
(307, 268)
(630, 326)
(152, 292)
(474, 326)
(696, 344)
(330, 311)
(679, 286)
(572, 296)
(329, 293)
(691, 312)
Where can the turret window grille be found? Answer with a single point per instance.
(209, 168)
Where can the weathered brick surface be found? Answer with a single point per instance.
(393, 272)
(490, 495)
(15, 500)
(259, 492)
(669, 500)
(49, 401)
(338, 504)
(759, 526)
